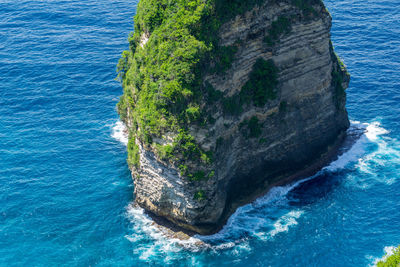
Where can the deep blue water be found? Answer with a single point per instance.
(65, 189)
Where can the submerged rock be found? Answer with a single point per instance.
(224, 100)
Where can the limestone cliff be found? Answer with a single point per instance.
(270, 108)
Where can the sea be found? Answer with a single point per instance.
(66, 192)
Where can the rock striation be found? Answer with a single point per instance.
(254, 145)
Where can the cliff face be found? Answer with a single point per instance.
(257, 138)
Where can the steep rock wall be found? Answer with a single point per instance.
(295, 130)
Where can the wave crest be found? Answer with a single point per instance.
(120, 132)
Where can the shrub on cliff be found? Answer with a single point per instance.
(257, 90)
(391, 261)
(261, 84)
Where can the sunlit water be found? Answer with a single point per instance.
(65, 189)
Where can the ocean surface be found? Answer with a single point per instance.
(65, 188)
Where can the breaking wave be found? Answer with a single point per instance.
(120, 132)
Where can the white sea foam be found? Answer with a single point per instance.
(386, 153)
(374, 130)
(387, 252)
(143, 230)
(283, 223)
(144, 227)
(120, 132)
(370, 133)
(254, 220)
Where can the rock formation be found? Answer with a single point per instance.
(266, 105)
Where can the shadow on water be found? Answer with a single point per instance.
(311, 191)
(320, 185)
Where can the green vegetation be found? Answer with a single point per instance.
(341, 64)
(192, 113)
(391, 261)
(200, 195)
(339, 90)
(183, 150)
(228, 9)
(254, 127)
(278, 27)
(283, 106)
(338, 73)
(133, 153)
(219, 143)
(223, 58)
(212, 94)
(123, 65)
(261, 84)
(258, 89)
(306, 7)
(232, 105)
(162, 81)
(251, 128)
(163, 78)
(283, 24)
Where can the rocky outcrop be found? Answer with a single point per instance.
(263, 145)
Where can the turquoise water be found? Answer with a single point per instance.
(65, 189)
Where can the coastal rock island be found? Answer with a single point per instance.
(224, 99)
